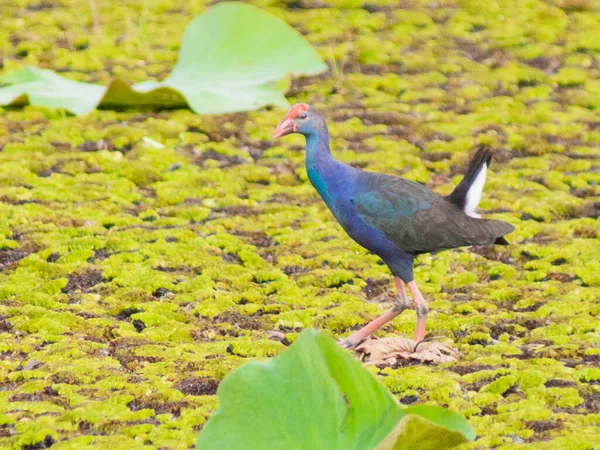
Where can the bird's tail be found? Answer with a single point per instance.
(499, 229)
(502, 240)
(467, 194)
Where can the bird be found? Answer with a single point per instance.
(392, 217)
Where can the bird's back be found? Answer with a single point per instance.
(418, 220)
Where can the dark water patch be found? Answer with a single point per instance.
(591, 210)
(198, 386)
(526, 256)
(532, 308)
(99, 255)
(47, 442)
(42, 6)
(560, 383)
(489, 410)
(257, 238)
(83, 281)
(9, 257)
(472, 368)
(375, 288)
(225, 160)
(436, 156)
(161, 292)
(53, 257)
(404, 362)
(235, 318)
(139, 325)
(241, 210)
(5, 326)
(549, 64)
(532, 324)
(126, 313)
(541, 426)
(87, 428)
(232, 258)
(562, 277)
(591, 403)
(493, 253)
(527, 216)
(95, 146)
(593, 360)
(409, 399)
(159, 406)
(476, 386)
(294, 270)
(585, 232)
(287, 199)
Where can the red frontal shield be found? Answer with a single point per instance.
(287, 125)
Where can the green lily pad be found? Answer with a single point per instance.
(316, 396)
(420, 428)
(234, 57)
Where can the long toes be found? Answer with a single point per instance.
(419, 345)
(350, 345)
(436, 347)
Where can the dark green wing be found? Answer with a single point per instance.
(418, 220)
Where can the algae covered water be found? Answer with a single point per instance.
(134, 278)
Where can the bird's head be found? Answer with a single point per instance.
(301, 118)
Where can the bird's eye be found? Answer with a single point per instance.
(302, 116)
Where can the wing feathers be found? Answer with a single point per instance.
(419, 221)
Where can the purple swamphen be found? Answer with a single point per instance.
(394, 218)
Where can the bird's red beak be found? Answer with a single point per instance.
(285, 127)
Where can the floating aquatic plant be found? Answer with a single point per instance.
(134, 278)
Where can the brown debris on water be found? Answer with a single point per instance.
(388, 351)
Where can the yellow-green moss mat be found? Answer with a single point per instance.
(135, 278)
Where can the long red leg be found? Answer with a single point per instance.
(401, 302)
(422, 310)
(399, 305)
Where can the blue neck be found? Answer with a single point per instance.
(320, 164)
(317, 149)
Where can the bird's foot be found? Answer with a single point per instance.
(437, 350)
(349, 343)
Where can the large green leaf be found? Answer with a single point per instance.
(316, 396)
(420, 429)
(234, 57)
(44, 87)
